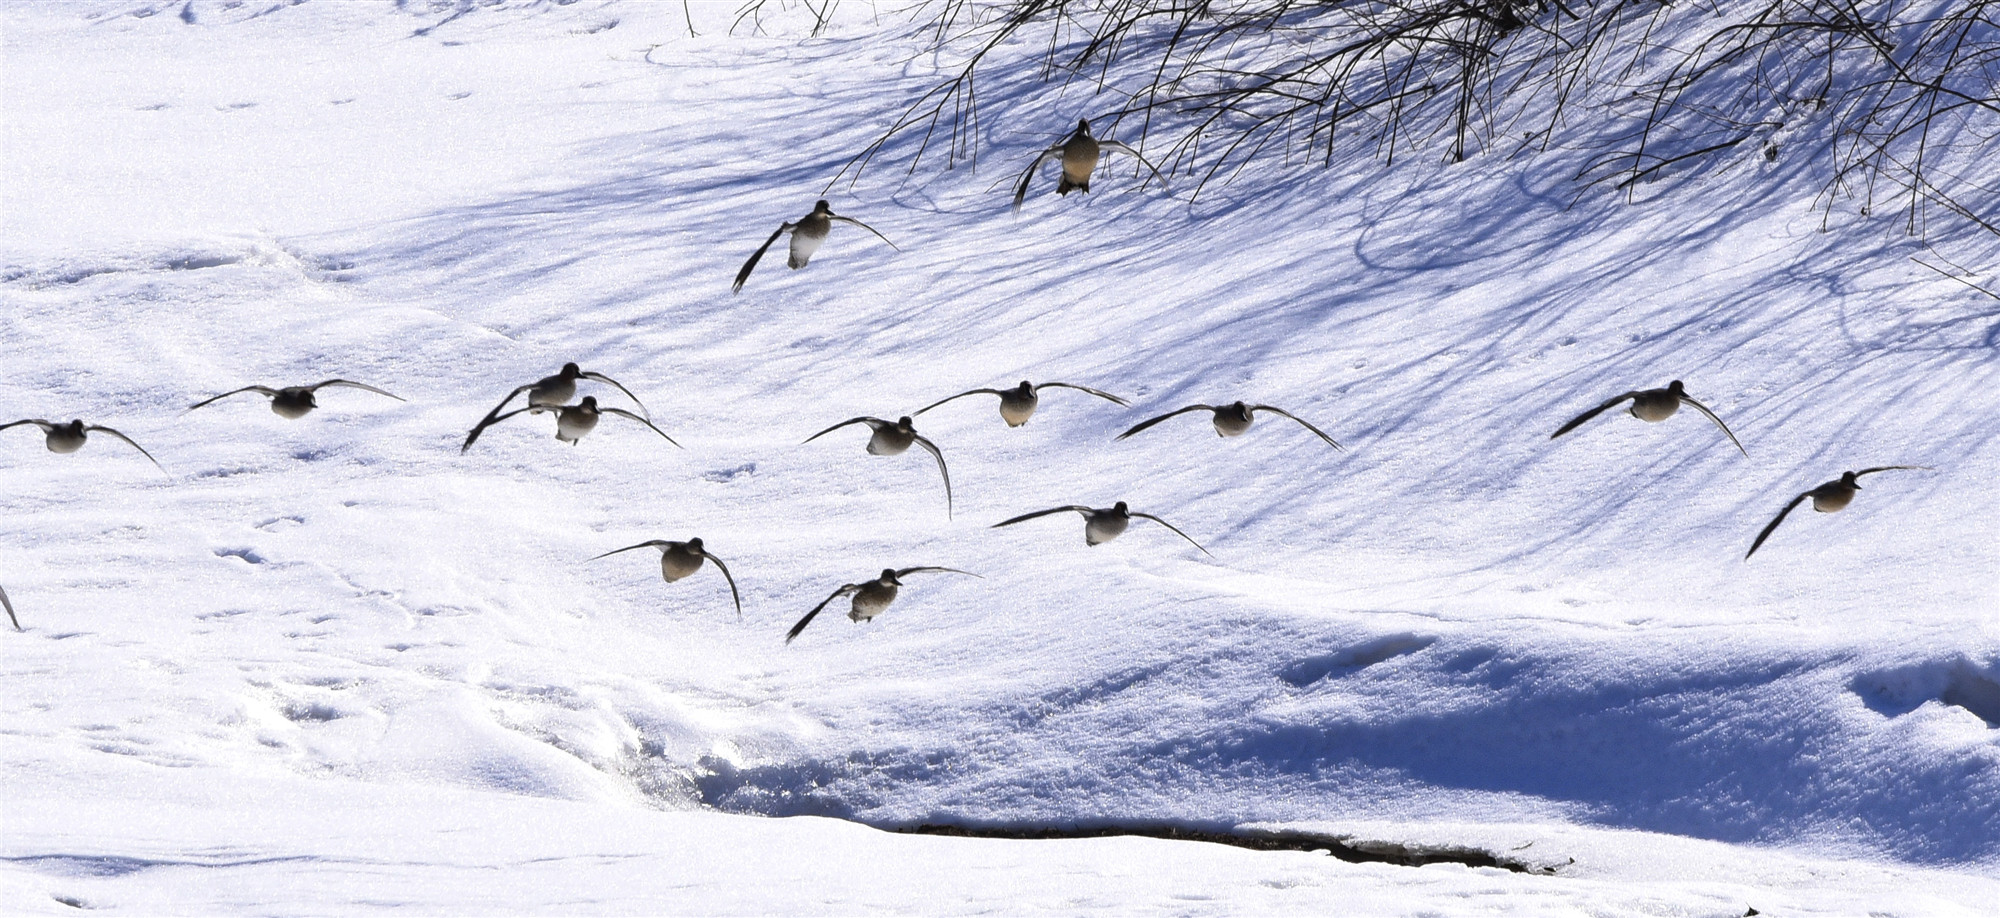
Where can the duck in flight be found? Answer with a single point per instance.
(1080, 153)
(1018, 404)
(556, 391)
(572, 421)
(1103, 525)
(808, 233)
(1232, 420)
(70, 437)
(870, 597)
(891, 438)
(680, 559)
(1830, 497)
(1653, 405)
(293, 401)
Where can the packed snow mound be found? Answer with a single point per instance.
(1454, 621)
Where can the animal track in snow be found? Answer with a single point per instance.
(722, 475)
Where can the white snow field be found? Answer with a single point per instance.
(331, 665)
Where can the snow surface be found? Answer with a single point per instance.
(331, 665)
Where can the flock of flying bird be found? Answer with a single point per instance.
(1079, 155)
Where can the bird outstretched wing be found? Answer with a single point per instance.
(871, 422)
(627, 414)
(905, 572)
(751, 265)
(350, 384)
(1021, 189)
(801, 626)
(960, 395)
(1690, 402)
(1176, 530)
(1122, 148)
(1283, 413)
(494, 415)
(866, 227)
(600, 377)
(939, 456)
(1884, 468)
(732, 584)
(1142, 425)
(1578, 421)
(1040, 513)
(134, 445)
(649, 543)
(1768, 529)
(260, 390)
(493, 419)
(1097, 392)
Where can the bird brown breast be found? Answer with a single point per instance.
(890, 441)
(1017, 409)
(870, 601)
(676, 563)
(806, 239)
(571, 425)
(554, 390)
(1103, 527)
(1655, 406)
(289, 405)
(1079, 157)
(1230, 425)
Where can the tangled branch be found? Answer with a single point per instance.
(1892, 102)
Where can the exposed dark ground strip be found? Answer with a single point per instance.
(1355, 852)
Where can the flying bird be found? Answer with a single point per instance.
(808, 233)
(1018, 404)
(572, 421)
(1231, 420)
(1831, 497)
(1653, 405)
(870, 597)
(1103, 525)
(680, 559)
(70, 437)
(10, 610)
(891, 438)
(555, 391)
(1079, 153)
(293, 401)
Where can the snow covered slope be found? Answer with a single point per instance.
(333, 664)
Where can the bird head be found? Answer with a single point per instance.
(571, 371)
(1120, 508)
(904, 422)
(694, 544)
(822, 207)
(1675, 387)
(589, 403)
(1083, 126)
(1026, 387)
(1849, 479)
(888, 577)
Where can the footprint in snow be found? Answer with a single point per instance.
(722, 475)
